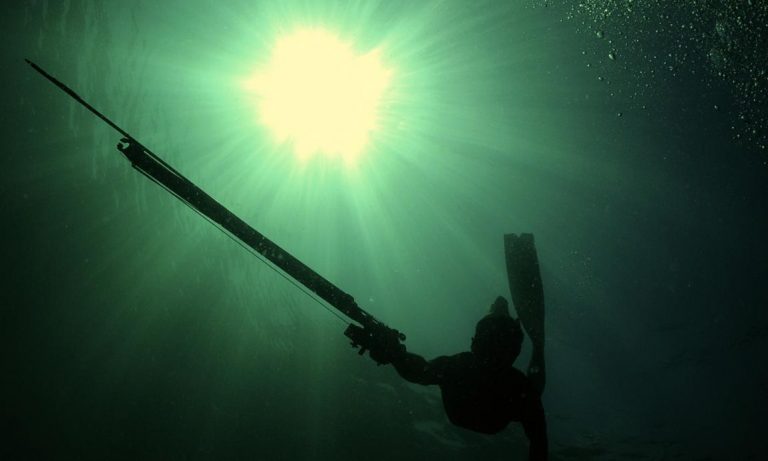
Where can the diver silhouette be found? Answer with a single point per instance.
(481, 390)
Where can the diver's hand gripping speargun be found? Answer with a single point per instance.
(382, 342)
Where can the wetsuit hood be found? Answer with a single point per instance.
(498, 337)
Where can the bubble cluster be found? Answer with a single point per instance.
(721, 43)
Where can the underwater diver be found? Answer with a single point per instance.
(481, 390)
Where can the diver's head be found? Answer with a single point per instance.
(498, 337)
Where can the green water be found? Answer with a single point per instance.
(628, 136)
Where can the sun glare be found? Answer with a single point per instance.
(317, 93)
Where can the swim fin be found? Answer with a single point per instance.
(528, 297)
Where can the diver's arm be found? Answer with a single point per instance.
(416, 369)
(384, 346)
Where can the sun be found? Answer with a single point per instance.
(317, 93)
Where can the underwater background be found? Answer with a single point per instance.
(628, 136)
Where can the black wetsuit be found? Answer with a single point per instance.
(480, 397)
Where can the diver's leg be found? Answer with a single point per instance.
(528, 297)
(535, 425)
